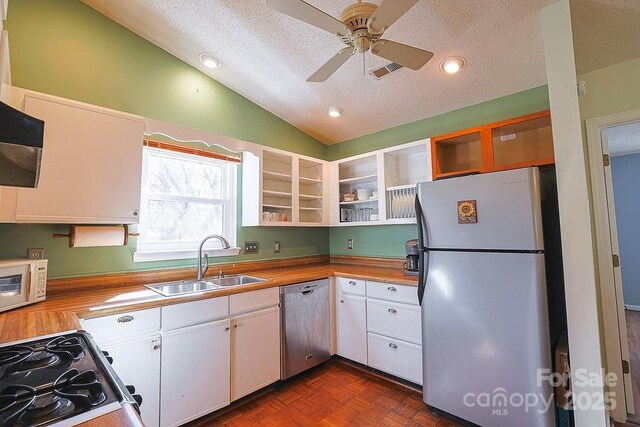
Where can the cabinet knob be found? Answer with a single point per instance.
(125, 319)
(392, 310)
(227, 328)
(392, 345)
(352, 283)
(135, 213)
(235, 326)
(341, 301)
(391, 289)
(156, 346)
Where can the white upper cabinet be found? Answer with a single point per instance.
(91, 165)
(282, 189)
(379, 186)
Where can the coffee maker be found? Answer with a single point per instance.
(411, 266)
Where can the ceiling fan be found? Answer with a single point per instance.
(360, 27)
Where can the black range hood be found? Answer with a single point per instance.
(21, 143)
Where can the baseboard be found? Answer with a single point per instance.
(632, 307)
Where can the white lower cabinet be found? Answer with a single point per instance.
(195, 374)
(137, 363)
(255, 351)
(396, 357)
(351, 318)
(379, 325)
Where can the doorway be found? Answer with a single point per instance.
(614, 145)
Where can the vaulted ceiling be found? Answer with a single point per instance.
(267, 57)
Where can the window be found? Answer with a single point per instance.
(185, 197)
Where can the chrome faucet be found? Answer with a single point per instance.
(202, 268)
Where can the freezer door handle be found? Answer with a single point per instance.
(421, 251)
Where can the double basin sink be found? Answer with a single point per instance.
(169, 289)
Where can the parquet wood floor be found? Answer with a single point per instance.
(337, 394)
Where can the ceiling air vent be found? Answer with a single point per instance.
(387, 69)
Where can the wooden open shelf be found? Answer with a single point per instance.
(509, 144)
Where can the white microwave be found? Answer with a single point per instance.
(22, 282)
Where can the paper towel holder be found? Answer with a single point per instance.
(73, 232)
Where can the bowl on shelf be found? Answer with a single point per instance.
(364, 193)
(348, 197)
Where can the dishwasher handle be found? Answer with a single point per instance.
(307, 292)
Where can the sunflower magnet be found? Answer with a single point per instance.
(467, 212)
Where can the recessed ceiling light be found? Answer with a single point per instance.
(209, 61)
(452, 65)
(335, 111)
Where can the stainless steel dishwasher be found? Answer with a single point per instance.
(305, 332)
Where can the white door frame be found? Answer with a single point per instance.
(612, 305)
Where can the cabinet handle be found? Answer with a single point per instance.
(157, 346)
(135, 213)
(227, 328)
(125, 319)
(391, 289)
(392, 311)
(235, 326)
(392, 345)
(341, 301)
(352, 283)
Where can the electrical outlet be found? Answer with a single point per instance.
(350, 244)
(276, 246)
(250, 247)
(35, 253)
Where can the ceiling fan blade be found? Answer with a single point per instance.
(387, 13)
(306, 13)
(332, 65)
(407, 56)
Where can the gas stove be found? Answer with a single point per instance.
(59, 381)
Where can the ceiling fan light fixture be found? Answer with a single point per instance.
(452, 65)
(335, 112)
(210, 61)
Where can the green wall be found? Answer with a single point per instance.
(65, 48)
(529, 101)
(388, 241)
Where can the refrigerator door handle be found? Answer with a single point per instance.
(422, 273)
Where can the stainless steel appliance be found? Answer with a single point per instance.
(411, 265)
(21, 143)
(483, 293)
(305, 331)
(22, 282)
(59, 380)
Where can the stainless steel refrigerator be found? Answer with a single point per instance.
(482, 289)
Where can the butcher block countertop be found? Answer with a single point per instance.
(71, 299)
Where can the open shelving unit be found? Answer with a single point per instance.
(509, 144)
(277, 188)
(392, 172)
(310, 192)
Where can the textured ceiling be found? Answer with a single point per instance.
(605, 32)
(267, 57)
(624, 139)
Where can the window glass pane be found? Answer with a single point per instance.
(169, 221)
(183, 177)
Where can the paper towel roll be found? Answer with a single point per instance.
(86, 236)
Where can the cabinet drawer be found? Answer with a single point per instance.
(193, 313)
(393, 319)
(124, 326)
(393, 292)
(351, 286)
(396, 357)
(256, 300)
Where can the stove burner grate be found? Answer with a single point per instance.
(81, 388)
(66, 348)
(14, 401)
